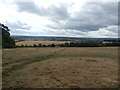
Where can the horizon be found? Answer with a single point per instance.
(62, 37)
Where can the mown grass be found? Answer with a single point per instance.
(7, 71)
(28, 56)
(63, 52)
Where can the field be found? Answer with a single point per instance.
(57, 67)
(30, 43)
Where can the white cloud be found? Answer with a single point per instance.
(111, 31)
(74, 18)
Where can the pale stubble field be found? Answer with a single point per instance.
(57, 67)
(31, 43)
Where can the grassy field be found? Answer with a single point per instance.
(57, 67)
(30, 43)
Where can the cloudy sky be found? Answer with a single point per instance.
(69, 18)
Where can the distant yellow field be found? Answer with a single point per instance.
(42, 42)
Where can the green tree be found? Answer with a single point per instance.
(39, 45)
(52, 45)
(34, 45)
(7, 41)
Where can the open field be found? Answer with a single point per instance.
(30, 43)
(57, 67)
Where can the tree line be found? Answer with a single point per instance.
(76, 44)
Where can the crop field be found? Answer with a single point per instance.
(58, 67)
(30, 43)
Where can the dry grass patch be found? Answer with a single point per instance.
(30, 43)
(91, 67)
(68, 72)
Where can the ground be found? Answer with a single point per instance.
(57, 67)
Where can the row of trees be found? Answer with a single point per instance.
(77, 44)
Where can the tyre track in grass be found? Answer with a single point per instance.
(6, 72)
(11, 63)
(20, 61)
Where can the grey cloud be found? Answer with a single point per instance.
(119, 13)
(53, 12)
(93, 16)
(113, 29)
(29, 7)
(57, 13)
(18, 25)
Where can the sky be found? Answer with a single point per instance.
(67, 18)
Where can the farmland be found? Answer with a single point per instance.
(31, 43)
(58, 67)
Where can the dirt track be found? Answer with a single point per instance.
(61, 68)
